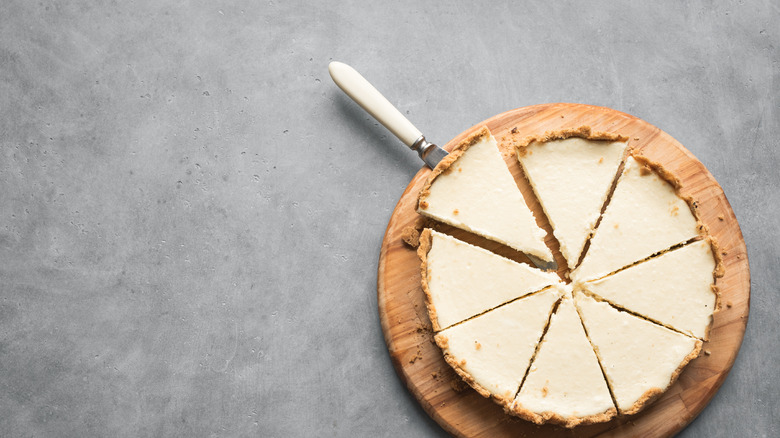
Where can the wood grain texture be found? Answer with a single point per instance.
(463, 412)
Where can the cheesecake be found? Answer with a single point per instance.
(571, 172)
(565, 384)
(461, 280)
(640, 359)
(472, 189)
(645, 215)
(492, 351)
(676, 289)
(640, 290)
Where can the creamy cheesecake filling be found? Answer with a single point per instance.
(461, 280)
(676, 289)
(473, 189)
(640, 359)
(492, 352)
(644, 216)
(565, 383)
(571, 172)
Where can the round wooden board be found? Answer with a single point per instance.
(463, 412)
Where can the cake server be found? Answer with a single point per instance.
(371, 100)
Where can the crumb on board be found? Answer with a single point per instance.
(457, 385)
(721, 218)
(411, 236)
(707, 352)
(415, 357)
(728, 304)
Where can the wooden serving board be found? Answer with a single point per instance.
(463, 412)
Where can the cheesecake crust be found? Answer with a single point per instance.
(422, 252)
(555, 418)
(583, 132)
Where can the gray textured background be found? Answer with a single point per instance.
(191, 212)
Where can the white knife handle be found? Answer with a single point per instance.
(368, 97)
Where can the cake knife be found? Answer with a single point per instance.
(371, 100)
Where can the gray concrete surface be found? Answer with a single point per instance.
(191, 212)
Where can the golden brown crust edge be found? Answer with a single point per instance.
(422, 251)
(444, 164)
(555, 418)
(649, 396)
(583, 131)
(718, 272)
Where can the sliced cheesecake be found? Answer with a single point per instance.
(473, 189)
(571, 172)
(492, 351)
(675, 289)
(640, 359)
(565, 384)
(461, 280)
(644, 216)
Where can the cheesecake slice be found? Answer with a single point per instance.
(640, 359)
(571, 172)
(492, 351)
(473, 189)
(461, 280)
(675, 289)
(565, 384)
(645, 216)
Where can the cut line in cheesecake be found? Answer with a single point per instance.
(640, 359)
(620, 308)
(571, 172)
(677, 289)
(490, 352)
(645, 215)
(538, 344)
(461, 280)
